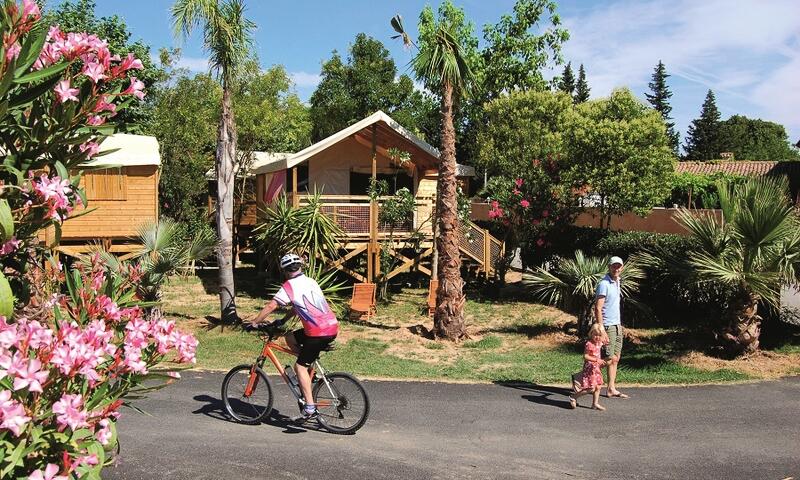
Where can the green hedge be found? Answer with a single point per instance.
(672, 302)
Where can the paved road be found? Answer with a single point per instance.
(444, 431)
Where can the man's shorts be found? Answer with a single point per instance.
(310, 347)
(615, 336)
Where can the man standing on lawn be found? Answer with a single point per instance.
(607, 314)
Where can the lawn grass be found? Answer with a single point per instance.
(511, 340)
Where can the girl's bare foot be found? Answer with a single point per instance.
(573, 403)
(598, 407)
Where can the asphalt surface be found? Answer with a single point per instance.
(443, 431)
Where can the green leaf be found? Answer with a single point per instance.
(61, 170)
(6, 221)
(45, 73)
(6, 297)
(29, 52)
(28, 95)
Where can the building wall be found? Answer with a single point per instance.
(329, 170)
(118, 218)
(659, 220)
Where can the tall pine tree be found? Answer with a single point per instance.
(702, 140)
(581, 88)
(567, 83)
(659, 99)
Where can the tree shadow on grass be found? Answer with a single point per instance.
(214, 408)
(529, 330)
(540, 394)
(247, 279)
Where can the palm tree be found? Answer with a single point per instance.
(751, 253)
(441, 64)
(227, 36)
(164, 253)
(571, 285)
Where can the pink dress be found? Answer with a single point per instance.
(591, 374)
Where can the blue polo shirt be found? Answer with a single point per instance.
(610, 289)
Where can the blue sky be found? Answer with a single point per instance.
(748, 52)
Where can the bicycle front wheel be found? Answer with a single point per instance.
(247, 394)
(342, 403)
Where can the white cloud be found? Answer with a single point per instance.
(193, 64)
(305, 79)
(746, 49)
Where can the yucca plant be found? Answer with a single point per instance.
(571, 285)
(306, 230)
(750, 253)
(164, 252)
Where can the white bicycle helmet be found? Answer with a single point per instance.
(290, 261)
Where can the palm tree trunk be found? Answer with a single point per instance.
(744, 325)
(226, 152)
(449, 317)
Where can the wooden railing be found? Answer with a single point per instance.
(478, 244)
(351, 212)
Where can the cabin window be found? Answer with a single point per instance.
(359, 182)
(106, 184)
(302, 179)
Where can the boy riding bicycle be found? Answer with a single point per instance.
(320, 326)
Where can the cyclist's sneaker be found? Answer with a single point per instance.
(306, 416)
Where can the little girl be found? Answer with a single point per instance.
(591, 377)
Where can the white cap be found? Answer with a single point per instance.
(614, 260)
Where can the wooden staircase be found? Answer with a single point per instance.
(478, 246)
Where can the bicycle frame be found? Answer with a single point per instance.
(268, 353)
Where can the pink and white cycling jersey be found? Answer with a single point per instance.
(309, 304)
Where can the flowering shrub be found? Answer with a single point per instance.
(73, 345)
(65, 369)
(528, 208)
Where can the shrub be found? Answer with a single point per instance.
(73, 345)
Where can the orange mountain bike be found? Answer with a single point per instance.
(341, 400)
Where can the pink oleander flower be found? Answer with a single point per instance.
(90, 460)
(103, 434)
(70, 412)
(94, 71)
(10, 246)
(12, 414)
(90, 148)
(103, 105)
(50, 473)
(545, 213)
(535, 222)
(107, 308)
(30, 377)
(133, 360)
(518, 183)
(186, 345)
(524, 203)
(131, 62)
(12, 51)
(516, 192)
(30, 9)
(54, 191)
(136, 88)
(95, 121)
(11, 363)
(540, 242)
(65, 93)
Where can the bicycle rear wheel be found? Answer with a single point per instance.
(249, 408)
(342, 403)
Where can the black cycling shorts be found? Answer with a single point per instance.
(310, 347)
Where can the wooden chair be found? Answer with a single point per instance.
(434, 285)
(362, 304)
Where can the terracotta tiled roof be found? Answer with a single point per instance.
(740, 167)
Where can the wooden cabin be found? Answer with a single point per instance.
(122, 191)
(341, 168)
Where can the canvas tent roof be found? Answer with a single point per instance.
(388, 134)
(131, 150)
